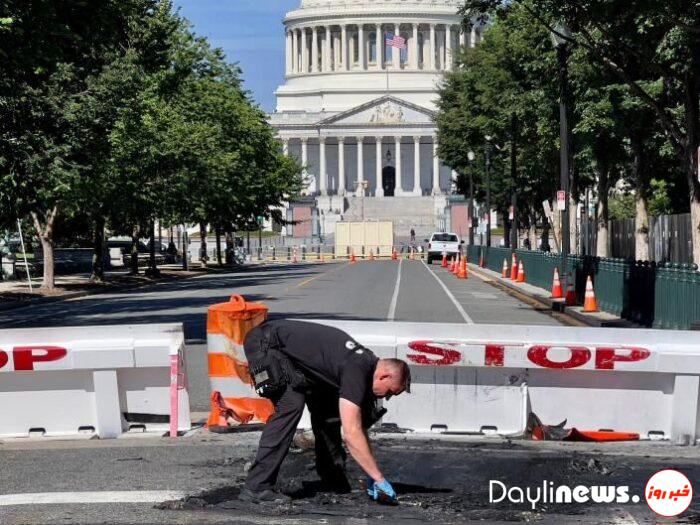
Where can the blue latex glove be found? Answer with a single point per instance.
(384, 487)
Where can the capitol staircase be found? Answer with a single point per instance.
(418, 213)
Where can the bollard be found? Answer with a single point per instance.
(318, 253)
(273, 253)
(259, 253)
(289, 253)
(303, 253)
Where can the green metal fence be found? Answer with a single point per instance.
(665, 295)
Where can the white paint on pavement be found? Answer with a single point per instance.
(395, 298)
(454, 300)
(48, 498)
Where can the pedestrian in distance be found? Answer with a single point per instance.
(296, 363)
(413, 236)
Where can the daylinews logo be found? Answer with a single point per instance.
(669, 493)
(549, 493)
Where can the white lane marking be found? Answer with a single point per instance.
(47, 498)
(464, 314)
(395, 298)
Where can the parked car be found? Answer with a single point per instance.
(442, 243)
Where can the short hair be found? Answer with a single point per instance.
(402, 371)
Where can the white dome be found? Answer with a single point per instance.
(307, 4)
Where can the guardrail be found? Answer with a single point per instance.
(487, 378)
(663, 295)
(102, 380)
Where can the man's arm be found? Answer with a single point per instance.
(356, 439)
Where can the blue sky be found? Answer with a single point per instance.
(251, 33)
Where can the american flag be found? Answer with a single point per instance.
(395, 41)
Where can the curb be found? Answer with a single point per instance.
(557, 305)
(40, 301)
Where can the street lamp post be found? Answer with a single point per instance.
(488, 190)
(560, 38)
(471, 158)
(514, 177)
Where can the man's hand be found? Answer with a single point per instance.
(383, 491)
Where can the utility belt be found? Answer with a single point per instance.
(272, 371)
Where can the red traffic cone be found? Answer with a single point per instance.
(557, 292)
(444, 260)
(463, 269)
(590, 304)
(353, 259)
(570, 299)
(504, 273)
(394, 256)
(455, 269)
(514, 268)
(521, 272)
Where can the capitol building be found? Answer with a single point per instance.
(359, 113)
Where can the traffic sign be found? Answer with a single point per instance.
(561, 200)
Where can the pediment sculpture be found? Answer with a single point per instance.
(387, 113)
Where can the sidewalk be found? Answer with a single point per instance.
(16, 294)
(598, 319)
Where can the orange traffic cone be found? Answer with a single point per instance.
(444, 260)
(371, 255)
(504, 273)
(221, 412)
(353, 259)
(458, 264)
(514, 268)
(557, 292)
(570, 299)
(589, 303)
(463, 269)
(394, 256)
(521, 273)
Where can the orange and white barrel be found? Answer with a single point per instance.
(227, 326)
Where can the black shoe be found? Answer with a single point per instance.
(263, 496)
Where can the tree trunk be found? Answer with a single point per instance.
(152, 266)
(556, 227)
(603, 215)
(45, 234)
(506, 232)
(219, 260)
(134, 251)
(575, 244)
(98, 248)
(185, 249)
(229, 246)
(691, 161)
(532, 231)
(203, 244)
(641, 219)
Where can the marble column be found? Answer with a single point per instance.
(433, 46)
(380, 46)
(295, 51)
(288, 52)
(344, 47)
(341, 166)
(360, 165)
(304, 52)
(448, 48)
(415, 63)
(396, 52)
(314, 50)
(379, 192)
(397, 184)
(285, 147)
(361, 48)
(305, 158)
(322, 169)
(327, 50)
(417, 191)
(436, 169)
(473, 37)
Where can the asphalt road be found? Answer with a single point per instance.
(128, 479)
(377, 291)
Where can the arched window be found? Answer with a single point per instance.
(372, 47)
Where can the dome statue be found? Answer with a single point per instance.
(349, 3)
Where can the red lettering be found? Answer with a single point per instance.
(494, 355)
(25, 356)
(605, 358)
(3, 358)
(538, 355)
(448, 357)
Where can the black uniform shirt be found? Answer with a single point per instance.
(330, 356)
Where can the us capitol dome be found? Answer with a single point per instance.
(359, 113)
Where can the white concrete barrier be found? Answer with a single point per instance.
(486, 378)
(98, 379)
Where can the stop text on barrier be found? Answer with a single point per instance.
(25, 357)
(439, 353)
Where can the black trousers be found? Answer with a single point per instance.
(279, 432)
